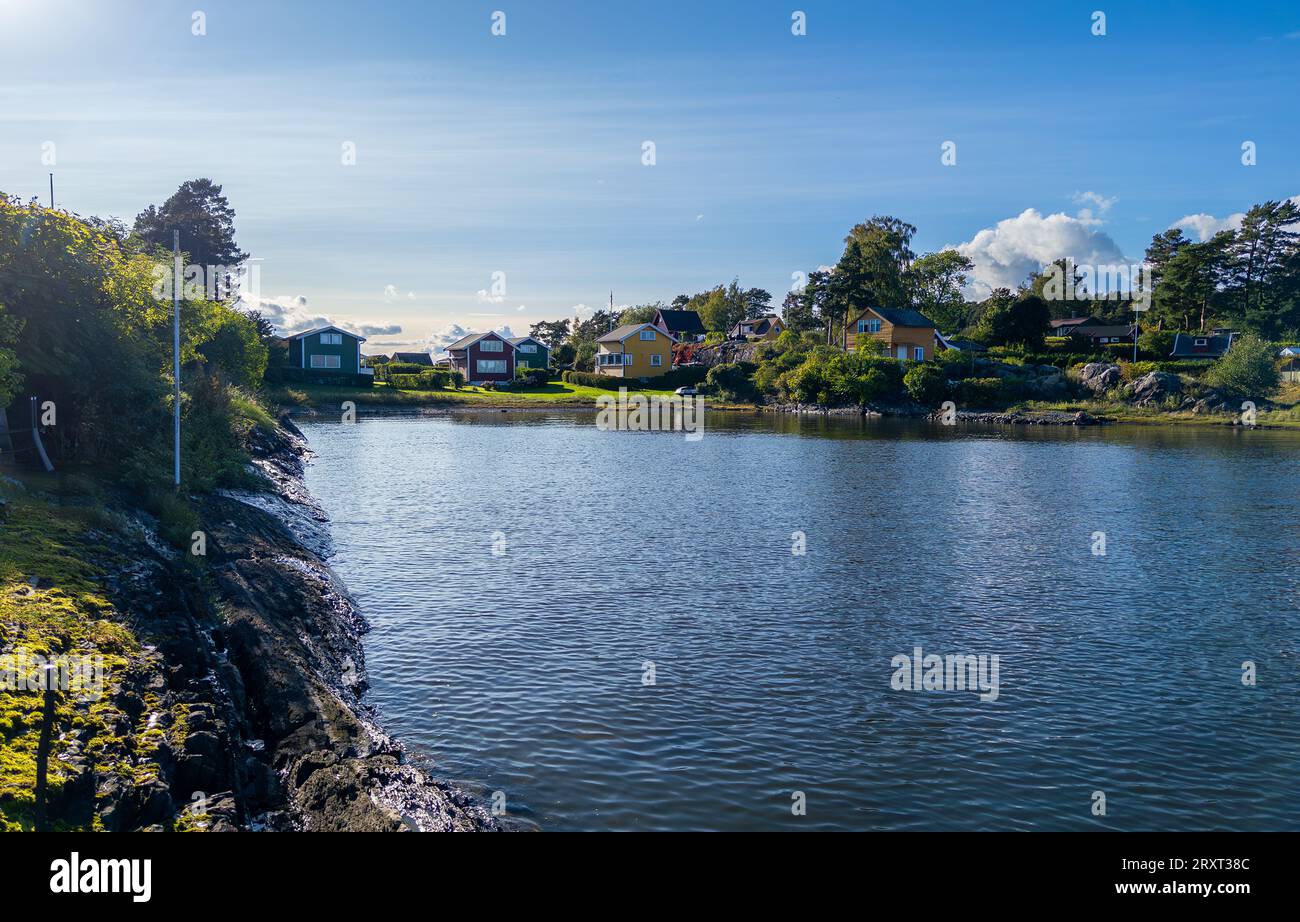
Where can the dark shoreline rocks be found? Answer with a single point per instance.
(294, 636)
(250, 682)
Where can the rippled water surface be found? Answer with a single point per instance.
(1122, 673)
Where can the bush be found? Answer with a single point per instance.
(533, 377)
(1155, 344)
(981, 392)
(1248, 370)
(732, 381)
(427, 380)
(927, 384)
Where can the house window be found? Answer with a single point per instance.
(490, 345)
(918, 353)
(746, 329)
(868, 326)
(1200, 342)
(325, 361)
(528, 347)
(331, 339)
(611, 358)
(656, 360)
(521, 363)
(627, 358)
(491, 366)
(648, 334)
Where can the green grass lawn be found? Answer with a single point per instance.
(554, 394)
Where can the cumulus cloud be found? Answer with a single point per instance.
(1206, 226)
(439, 340)
(485, 298)
(1009, 252)
(290, 314)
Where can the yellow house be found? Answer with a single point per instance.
(637, 350)
(906, 333)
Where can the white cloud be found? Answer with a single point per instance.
(1007, 253)
(1093, 200)
(1207, 225)
(289, 314)
(439, 340)
(485, 298)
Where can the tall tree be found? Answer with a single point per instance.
(550, 332)
(205, 219)
(1262, 257)
(872, 271)
(936, 281)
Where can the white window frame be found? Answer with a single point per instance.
(491, 345)
(528, 347)
(1201, 342)
(331, 339)
(627, 359)
(649, 335)
(479, 369)
(327, 362)
(656, 361)
(521, 363)
(918, 353)
(868, 326)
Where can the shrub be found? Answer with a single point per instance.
(1155, 344)
(427, 380)
(732, 381)
(1247, 370)
(981, 392)
(927, 383)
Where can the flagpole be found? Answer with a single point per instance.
(176, 358)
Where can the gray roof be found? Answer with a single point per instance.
(1185, 345)
(1100, 332)
(413, 358)
(626, 330)
(903, 316)
(328, 330)
(466, 341)
(683, 321)
(520, 340)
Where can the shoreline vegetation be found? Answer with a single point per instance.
(322, 400)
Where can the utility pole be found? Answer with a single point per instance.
(51, 192)
(176, 358)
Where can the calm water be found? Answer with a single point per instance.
(1119, 673)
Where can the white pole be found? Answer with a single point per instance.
(176, 358)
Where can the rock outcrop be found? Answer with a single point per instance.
(1100, 377)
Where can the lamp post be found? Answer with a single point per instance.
(176, 359)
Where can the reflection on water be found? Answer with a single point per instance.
(523, 671)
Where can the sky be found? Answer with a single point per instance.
(503, 179)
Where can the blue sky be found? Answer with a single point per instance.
(522, 154)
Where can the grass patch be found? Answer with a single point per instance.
(51, 604)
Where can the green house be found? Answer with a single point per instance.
(327, 353)
(531, 353)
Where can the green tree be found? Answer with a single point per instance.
(1263, 259)
(936, 281)
(1007, 321)
(205, 219)
(10, 379)
(642, 313)
(550, 332)
(723, 307)
(1247, 370)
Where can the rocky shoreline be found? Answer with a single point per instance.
(242, 707)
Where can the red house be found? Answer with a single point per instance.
(483, 357)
